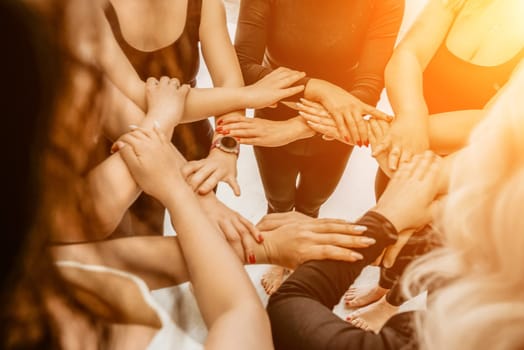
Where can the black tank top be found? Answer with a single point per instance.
(178, 60)
(452, 84)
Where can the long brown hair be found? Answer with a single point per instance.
(49, 129)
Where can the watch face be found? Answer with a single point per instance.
(229, 142)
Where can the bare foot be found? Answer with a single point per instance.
(363, 295)
(273, 278)
(374, 316)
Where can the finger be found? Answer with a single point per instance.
(232, 182)
(243, 235)
(192, 167)
(333, 227)
(332, 221)
(232, 237)
(151, 82)
(164, 80)
(285, 93)
(383, 146)
(320, 111)
(317, 119)
(200, 176)
(175, 82)
(253, 230)
(344, 241)
(361, 127)
(132, 139)
(129, 156)
(243, 133)
(231, 119)
(406, 156)
(328, 252)
(312, 104)
(376, 113)
(239, 125)
(209, 184)
(394, 157)
(329, 131)
(352, 127)
(341, 126)
(290, 78)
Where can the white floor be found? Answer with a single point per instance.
(353, 196)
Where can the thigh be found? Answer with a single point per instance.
(278, 171)
(319, 177)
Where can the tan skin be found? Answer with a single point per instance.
(220, 58)
(474, 37)
(228, 302)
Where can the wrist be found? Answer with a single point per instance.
(299, 128)
(396, 217)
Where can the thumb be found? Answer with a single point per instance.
(232, 182)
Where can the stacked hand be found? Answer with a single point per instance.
(346, 110)
(408, 199)
(291, 239)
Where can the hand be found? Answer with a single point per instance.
(318, 119)
(346, 109)
(152, 161)
(263, 132)
(165, 101)
(274, 87)
(406, 202)
(272, 221)
(236, 229)
(376, 131)
(293, 244)
(403, 141)
(205, 174)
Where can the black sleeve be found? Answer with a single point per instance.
(377, 50)
(251, 40)
(301, 310)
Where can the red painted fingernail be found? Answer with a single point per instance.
(218, 129)
(367, 143)
(346, 138)
(260, 239)
(359, 143)
(251, 258)
(219, 122)
(225, 132)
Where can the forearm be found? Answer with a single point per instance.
(403, 77)
(450, 131)
(300, 311)
(216, 293)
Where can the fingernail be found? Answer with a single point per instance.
(219, 122)
(225, 132)
(218, 129)
(260, 239)
(368, 240)
(359, 228)
(251, 258)
(133, 126)
(359, 143)
(299, 104)
(346, 138)
(357, 256)
(367, 144)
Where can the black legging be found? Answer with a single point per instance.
(301, 310)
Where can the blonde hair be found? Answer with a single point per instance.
(479, 300)
(467, 5)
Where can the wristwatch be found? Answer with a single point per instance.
(227, 144)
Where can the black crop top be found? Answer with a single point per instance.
(452, 84)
